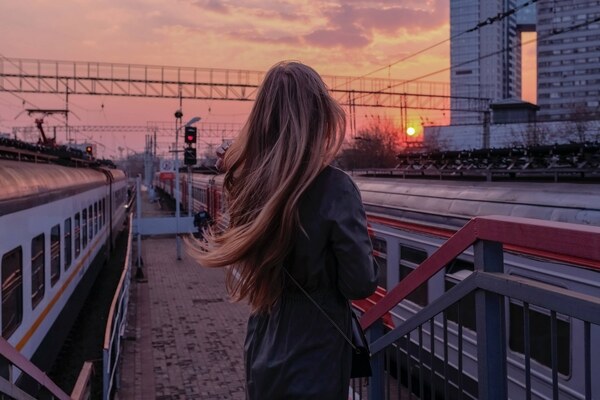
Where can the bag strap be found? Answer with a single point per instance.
(320, 309)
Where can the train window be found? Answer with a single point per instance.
(100, 215)
(456, 271)
(12, 291)
(77, 235)
(84, 228)
(68, 246)
(54, 254)
(382, 263)
(91, 222)
(410, 258)
(104, 211)
(380, 255)
(539, 331)
(96, 217)
(37, 270)
(379, 245)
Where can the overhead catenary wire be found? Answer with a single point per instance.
(481, 24)
(20, 68)
(504, 49)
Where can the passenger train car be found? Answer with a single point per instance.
(410, 219)
(57, 227)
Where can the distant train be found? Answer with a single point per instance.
(57, 227)
(410, 219)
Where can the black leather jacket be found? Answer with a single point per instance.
(294, 352)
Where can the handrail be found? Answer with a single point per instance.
(17, 359)
(564, 301)
(113, 305)
(580, 242)
(116, 318)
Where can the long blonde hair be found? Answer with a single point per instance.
(294, 130)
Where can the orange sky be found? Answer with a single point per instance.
(341, 37)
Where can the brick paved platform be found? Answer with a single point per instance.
(184, 337)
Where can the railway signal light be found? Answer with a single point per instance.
(189, 156)
(190, 134)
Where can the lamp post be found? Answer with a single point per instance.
(178, 116)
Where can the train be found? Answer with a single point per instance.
(410, 219)
(58, 226)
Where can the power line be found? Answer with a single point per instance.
(551, 34)
(481, 24)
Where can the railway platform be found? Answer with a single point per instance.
(184, 338)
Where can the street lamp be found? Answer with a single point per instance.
(178, 116)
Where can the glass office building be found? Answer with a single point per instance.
(487, 61)
(568, 59)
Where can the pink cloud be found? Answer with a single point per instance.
(217, 6)
(253, 35)
(345, 37)
(352, 24)
(395, 18)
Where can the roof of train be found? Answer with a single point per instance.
(566, 202)
(453, 203)
(21, 179)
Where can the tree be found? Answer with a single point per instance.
(374, 146)
(580, 126)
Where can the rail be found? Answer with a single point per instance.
(115, 326)
(431, 355)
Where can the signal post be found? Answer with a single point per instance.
(190, 159)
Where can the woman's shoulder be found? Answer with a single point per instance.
(335, 178)
(331, 184)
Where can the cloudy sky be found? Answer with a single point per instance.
(338, 37)
(346, 37)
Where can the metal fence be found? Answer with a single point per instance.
(115, 326)
(527, 339)
(33, 383)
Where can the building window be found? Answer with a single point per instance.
(68, 246)
(54, 254)
(12, 291)
(37, 270)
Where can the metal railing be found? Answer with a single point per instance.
(530, 340)
(115, 326)
(15, 367)
(135, 80)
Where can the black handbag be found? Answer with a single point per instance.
(361, 355)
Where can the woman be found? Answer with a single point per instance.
(291, 214)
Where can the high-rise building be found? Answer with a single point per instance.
(487, 61)
(568, 59)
